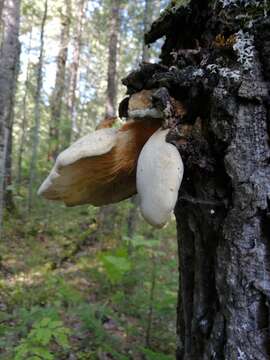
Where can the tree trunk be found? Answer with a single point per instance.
(59, 87)
(1, 20)
(8, 200)
(216, 60)
(108, 213)
(35, 139)
(112, 61)
(147, 20)
(74, 73)
(24, 116)
(9, 58)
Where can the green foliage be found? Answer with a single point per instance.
(43, 334)
(116, 264)
(151, 355)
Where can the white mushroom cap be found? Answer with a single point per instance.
(159, 176)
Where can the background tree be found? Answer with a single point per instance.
(147, 21)
(9, 58)
(111, 92)
(58, 92)
(22, 141)
(74, 70)
(36, 129)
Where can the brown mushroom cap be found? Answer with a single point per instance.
(100, 168)
(140, 105)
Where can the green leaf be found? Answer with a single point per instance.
(116, 267)
(43, 336)
(62, 339)
(43, 353)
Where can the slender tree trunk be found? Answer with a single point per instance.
(35, 139)
(1, 20)
(112, 62)
(132, 217)
(108, 213)
(9, 58)
(147, 20)
(8, 201)
(74, 72)
(151, 303)
(59, 87)
(1, 9)
(24, 116)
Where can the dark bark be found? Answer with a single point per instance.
(218, 65)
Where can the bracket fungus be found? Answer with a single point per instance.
(100, 168)
(159, 176)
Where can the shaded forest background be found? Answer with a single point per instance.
(79, 283)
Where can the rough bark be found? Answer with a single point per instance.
(35, 138)
(74, 72)
(9, 58)
(59, 87)
(112, 60)
(217, 59)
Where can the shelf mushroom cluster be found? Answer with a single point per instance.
(110, 165)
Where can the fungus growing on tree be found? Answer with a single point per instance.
(100, 168)
(159, 175)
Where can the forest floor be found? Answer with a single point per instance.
(68, 292)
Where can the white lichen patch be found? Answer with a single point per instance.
(229, 73)
(225, 72)
(226, 3)
(198, 73)
(254, 3)
(245, 49)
